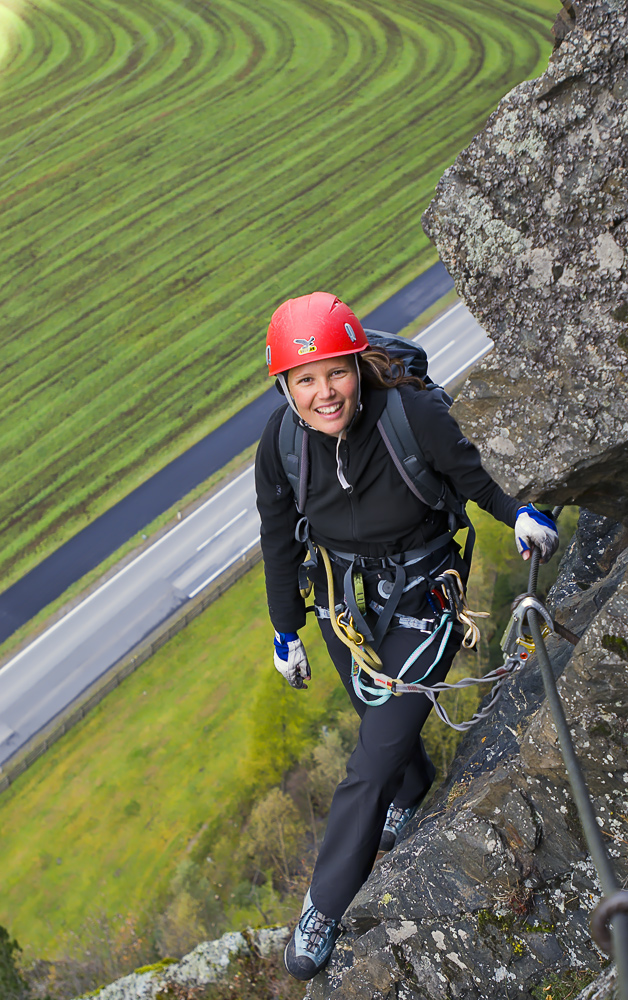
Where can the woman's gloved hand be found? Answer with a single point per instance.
(533, 527)
(291, 659)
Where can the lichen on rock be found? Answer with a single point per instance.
(532, 222)
(494, 887)
(208, 963)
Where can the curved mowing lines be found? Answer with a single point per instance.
(50, 108)
(120, 31)
(335, 132)
(44, 194)
(257, 218)
(110, 122)
(65, 50)
(33, 50)
(36, 53)
(11, 35)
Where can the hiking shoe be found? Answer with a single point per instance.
(309, 948)
(397, 820)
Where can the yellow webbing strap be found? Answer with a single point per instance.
(364, 655)
(464, 613)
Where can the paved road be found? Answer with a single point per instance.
(47, 676)
(87, 549)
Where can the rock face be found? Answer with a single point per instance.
(493, 888)
(207, 964)
(532, 222)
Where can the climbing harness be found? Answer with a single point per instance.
(447, 598)
(366, 661)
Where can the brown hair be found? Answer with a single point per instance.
(379, 370)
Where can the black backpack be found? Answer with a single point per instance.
(399, 438)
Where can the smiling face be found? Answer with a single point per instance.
(326, 392)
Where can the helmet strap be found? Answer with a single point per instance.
(283, 382)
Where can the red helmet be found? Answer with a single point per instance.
(318, 324)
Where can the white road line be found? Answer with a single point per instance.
(432, 357)
(220, 530)
(44, 635)
(437, 321)
(222, 569)
(151, 548)
(471, 361)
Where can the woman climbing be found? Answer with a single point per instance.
(332, 485)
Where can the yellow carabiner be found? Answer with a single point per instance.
(525, 640)
(349, 629)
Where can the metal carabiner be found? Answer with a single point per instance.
(527, 603)
(349, 629)
(516, 642)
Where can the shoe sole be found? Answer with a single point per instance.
(306, 976)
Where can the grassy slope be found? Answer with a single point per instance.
(170, 172)
(99, 823)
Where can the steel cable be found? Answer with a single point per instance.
(597, 849)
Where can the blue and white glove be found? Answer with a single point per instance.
(533, 528)
(291, 659)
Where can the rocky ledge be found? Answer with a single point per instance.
(493, 888)
(532, 223)
(207, 964)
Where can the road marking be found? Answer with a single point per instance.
(224, 528)
(440, 319)
(487, 347)
(433, 357)
(247, 471)
(151, 548)
(222, 569)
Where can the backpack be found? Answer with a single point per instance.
(399, 438)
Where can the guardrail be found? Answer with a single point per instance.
(124, 667)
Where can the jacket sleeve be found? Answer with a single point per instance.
(278, 512)
(449, 452)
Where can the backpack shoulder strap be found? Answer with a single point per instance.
(293, 449)
(410, 461)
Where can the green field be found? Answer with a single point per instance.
(99, 823)
(170, 172)
(168, 766)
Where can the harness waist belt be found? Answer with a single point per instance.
(401, 558)
(405, 621)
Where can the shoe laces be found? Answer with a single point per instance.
(396, 816)
(316, 928)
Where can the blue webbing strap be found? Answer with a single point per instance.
(377, 695)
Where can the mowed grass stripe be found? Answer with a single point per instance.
(154, 276)
(203, 179)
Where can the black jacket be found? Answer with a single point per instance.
(380, 516)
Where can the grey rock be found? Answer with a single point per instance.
(532, 222)
(493, 888)
(208, 963)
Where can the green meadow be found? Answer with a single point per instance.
(169, 172)
(98, 825)
(168, 768)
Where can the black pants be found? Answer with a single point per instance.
(388, 764)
